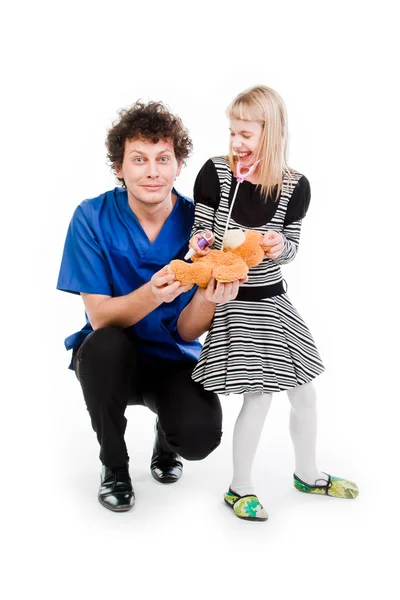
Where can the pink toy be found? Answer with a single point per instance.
(241, 176)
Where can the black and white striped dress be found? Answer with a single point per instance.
(262, 345)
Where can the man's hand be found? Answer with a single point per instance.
(164, 286)
(197, 316)
(272, 244)
(221, 293)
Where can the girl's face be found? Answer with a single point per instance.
(245, 139)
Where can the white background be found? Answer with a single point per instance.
(68, 68)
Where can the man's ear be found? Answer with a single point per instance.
(178, 172)
(117, 170)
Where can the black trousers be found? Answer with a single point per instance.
(190, 418)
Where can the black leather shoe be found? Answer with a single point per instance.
(165, 466)
(116, 491)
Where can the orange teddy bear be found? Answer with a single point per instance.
(242, 250)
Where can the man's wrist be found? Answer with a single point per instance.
(201, 293)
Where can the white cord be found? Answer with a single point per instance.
(229, 214)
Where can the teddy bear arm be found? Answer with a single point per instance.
(195, 273)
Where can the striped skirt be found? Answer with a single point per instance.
(262, 346)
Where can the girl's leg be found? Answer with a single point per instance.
(303, 431)
(246, 437)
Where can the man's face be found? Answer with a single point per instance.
(149, 170)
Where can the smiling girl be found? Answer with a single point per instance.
(258, 343)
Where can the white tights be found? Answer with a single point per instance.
(302, 427)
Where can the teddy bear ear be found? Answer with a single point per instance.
(233, 238)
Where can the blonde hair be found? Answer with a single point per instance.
(264, 105)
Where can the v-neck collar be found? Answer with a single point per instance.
(166, 230)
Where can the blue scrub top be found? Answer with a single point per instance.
(107, 252)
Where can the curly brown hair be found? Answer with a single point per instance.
(152, 122)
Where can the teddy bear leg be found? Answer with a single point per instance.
(227, 274)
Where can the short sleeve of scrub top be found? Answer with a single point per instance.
(83, 266)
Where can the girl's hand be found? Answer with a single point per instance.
(164, 286)
(272, 244)
(194, 241)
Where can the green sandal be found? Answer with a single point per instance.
(335, 487)
(245, 507)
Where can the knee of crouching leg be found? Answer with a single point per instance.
(195, 443)
(106, 344)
